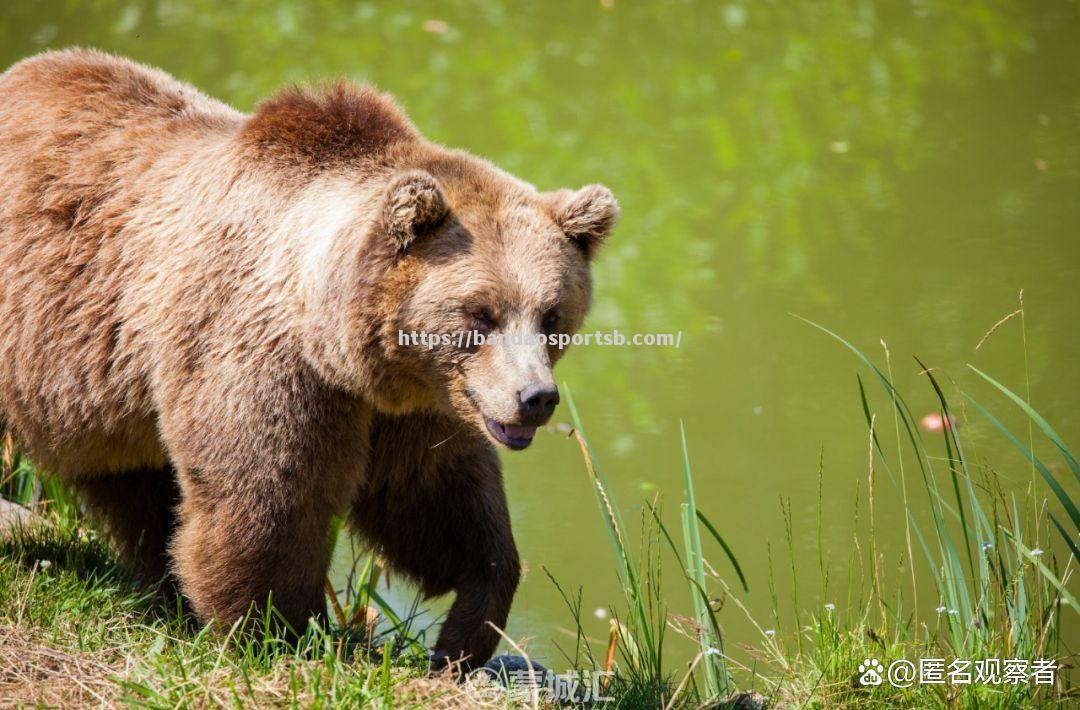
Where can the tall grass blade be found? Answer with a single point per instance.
(1062, 496)
(715, 664)
(952, 442)
(613, 522)
(1065, 535)
(1050, 576)
(1037, 418)
(727, 550)
(667, 535)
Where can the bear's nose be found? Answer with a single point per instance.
(537, 402)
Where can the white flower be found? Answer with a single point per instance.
(953, 612)
(940, 609)
(600, 613)
(1036, 552)
(830, 607)
(770, 632)
(713, 652)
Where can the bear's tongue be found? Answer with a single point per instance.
(514, 436)
(519, 432)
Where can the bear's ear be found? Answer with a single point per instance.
(414, 207)
(586, 216)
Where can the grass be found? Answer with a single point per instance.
(75, 630)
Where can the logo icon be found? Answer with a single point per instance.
(870, 672)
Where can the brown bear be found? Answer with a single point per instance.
(202, 314)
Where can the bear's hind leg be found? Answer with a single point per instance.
(137, 510)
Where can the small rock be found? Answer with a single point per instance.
(513, 672)
(13, 514)
(746, 701)
(506, 669)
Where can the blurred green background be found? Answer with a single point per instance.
(893, 170)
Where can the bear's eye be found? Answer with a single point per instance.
(482, 320)
(550, 321)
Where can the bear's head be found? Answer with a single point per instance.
(484, 273)
(411, 251)
(439, 257)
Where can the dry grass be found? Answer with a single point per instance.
(33, 672)
(442, 694)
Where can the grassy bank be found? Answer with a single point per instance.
(75, 629)
(1000, 565)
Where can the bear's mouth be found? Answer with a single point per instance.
(510, 435)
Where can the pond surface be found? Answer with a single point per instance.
(894, 171)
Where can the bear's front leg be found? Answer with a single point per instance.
(256, 541)
(264, 460)
(484, 594)
(433, 501)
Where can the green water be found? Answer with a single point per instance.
(892, 170)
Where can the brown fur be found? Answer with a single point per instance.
(201, 311)
(342, 124)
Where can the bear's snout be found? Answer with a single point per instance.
(536, 403)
